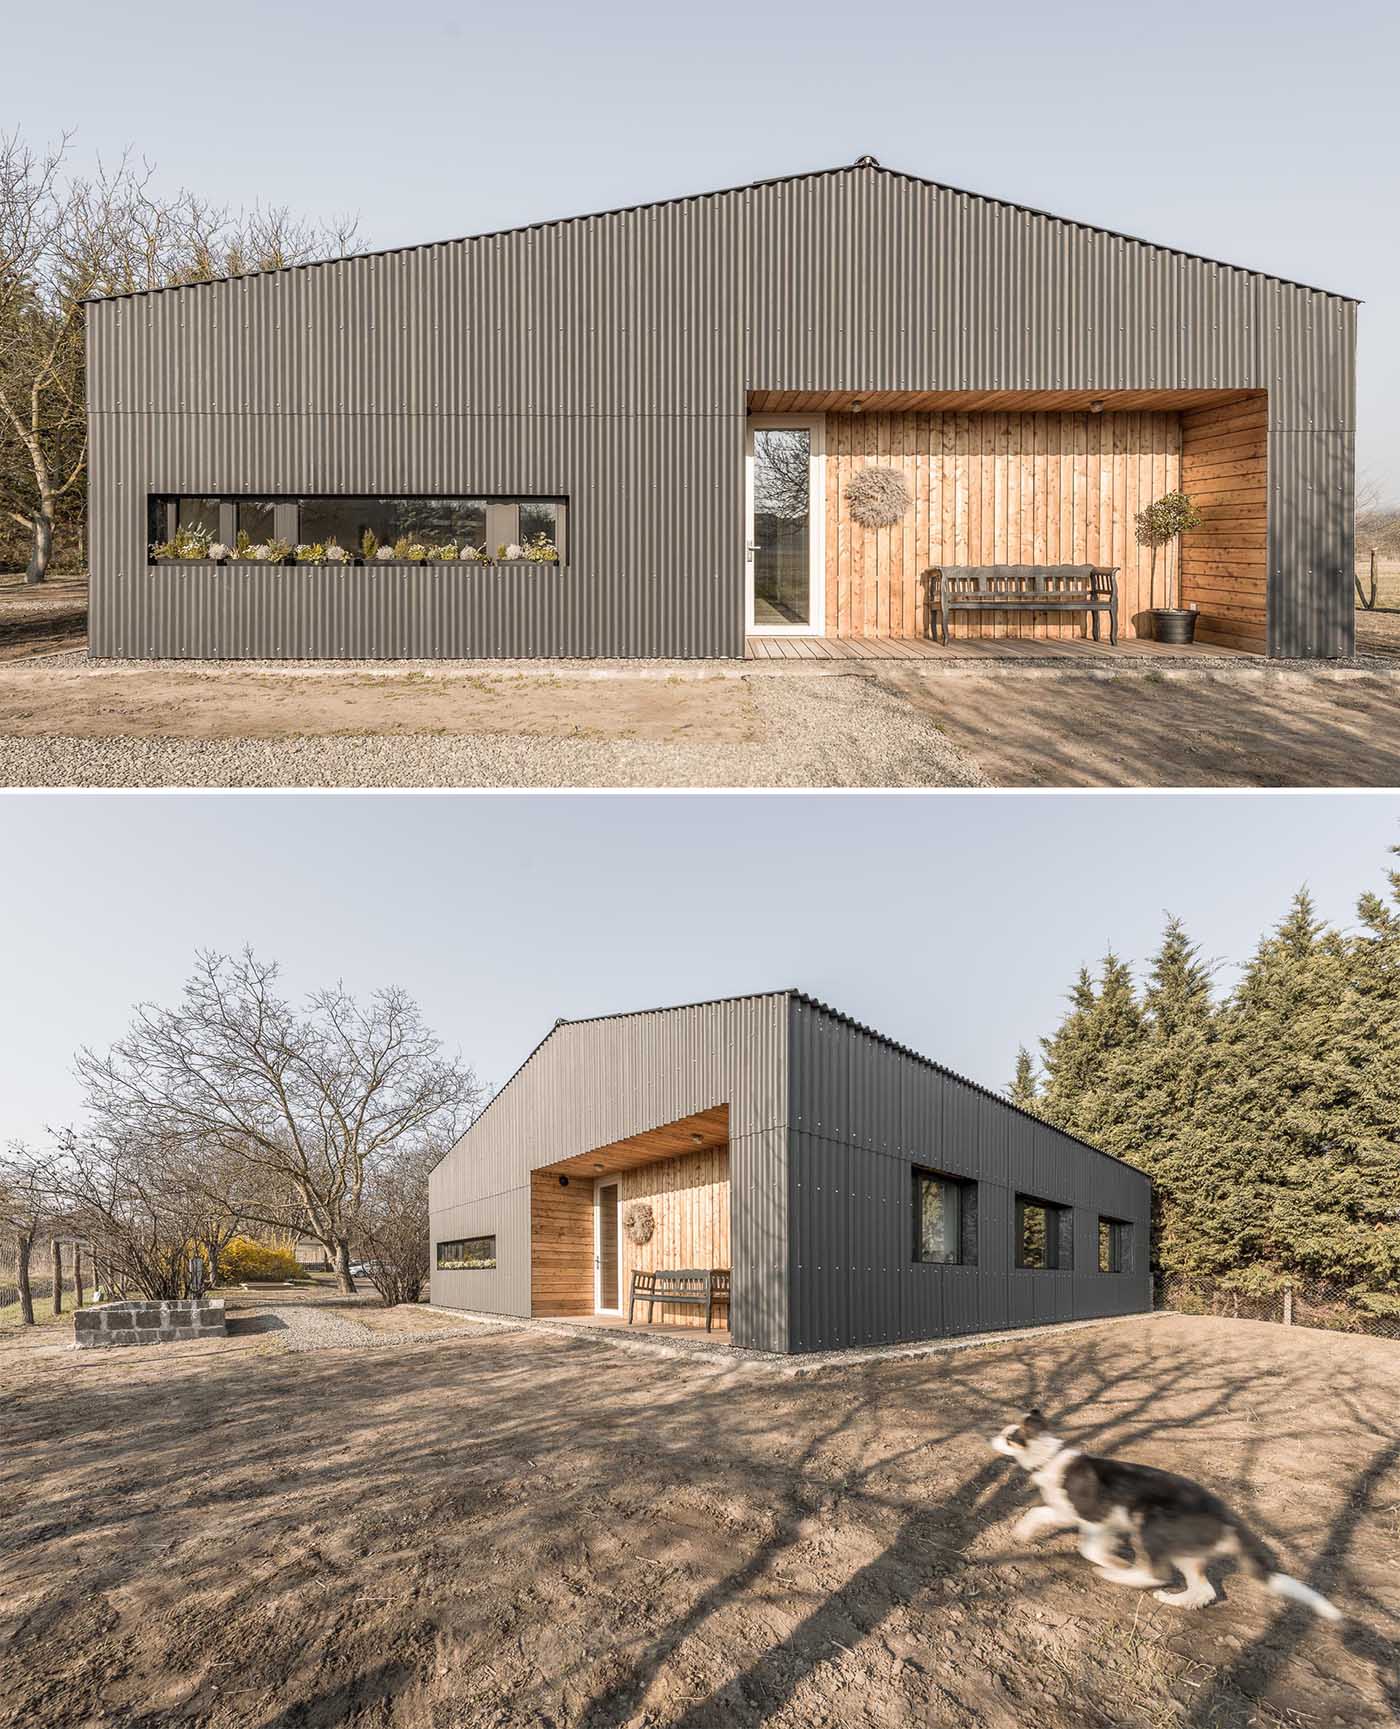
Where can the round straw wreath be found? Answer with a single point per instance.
(638, 1221)
(877, 497)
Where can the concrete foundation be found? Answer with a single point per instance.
(142, 1323)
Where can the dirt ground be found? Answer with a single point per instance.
(520, 1528)
(1273, 729)
(232, 701)
(43, 619)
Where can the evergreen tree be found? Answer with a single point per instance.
(1024, 1088)
(1102, 1024)
(1154, 1087)
(1269, 1122)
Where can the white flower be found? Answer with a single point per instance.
(514, 551)
(260, 551)
(219, 550)
(385, 552)
(336, 554)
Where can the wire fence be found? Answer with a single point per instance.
(1308, 1303)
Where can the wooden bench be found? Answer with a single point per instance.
(691, 1287)
(1090, 588)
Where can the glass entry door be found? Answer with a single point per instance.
(786, 517)
(607, 1248)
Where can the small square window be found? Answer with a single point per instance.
(1115, 1246)
(945, 1220)
(1044, 1235)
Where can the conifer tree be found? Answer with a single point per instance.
(1024, 1089)
(1103, 1022)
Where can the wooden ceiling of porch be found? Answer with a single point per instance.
(696, 1133)
(986, 401)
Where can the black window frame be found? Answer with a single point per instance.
(444, 1263)
(1120, 1238)
(1059, 1235)
(966, 1190)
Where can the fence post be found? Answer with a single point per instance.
(1288, 1305)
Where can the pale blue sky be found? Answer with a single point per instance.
(1257, 131)
(501, 913)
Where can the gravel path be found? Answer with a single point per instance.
(818, 732)
(302, 1325)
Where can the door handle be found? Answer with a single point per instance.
(752, 549)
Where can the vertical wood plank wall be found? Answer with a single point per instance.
(689, 1197)
(1224, 563)
(1012, 488)
(561, 1245)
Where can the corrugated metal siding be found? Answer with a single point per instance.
(862, 1114)
(593, 1082)
(608, 359)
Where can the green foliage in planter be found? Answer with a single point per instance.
(369, 544)
(186, 543)
(540, 550)
(1159, 525)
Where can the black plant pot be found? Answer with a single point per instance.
(1173, 624)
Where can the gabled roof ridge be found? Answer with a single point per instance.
(865, 165)
(794, 995)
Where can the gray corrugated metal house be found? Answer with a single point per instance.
(661, 408)
(857, 1192)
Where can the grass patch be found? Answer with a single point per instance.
(43, 1313)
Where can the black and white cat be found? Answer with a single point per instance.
(1169, 1522)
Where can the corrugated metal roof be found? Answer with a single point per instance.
(866, 165)
(826, 1009)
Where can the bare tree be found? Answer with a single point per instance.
(1377, 537)
(64, 239)
(391, 1226)
(26, 1206)
(133, 1200)
(291, 1107)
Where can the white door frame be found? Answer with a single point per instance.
(599, 1184)
(816, 525)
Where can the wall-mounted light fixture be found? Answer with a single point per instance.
(1096, 406)
(857, 403)
(563, 1182)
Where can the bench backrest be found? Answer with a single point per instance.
(687, 1280)
(1025, 581)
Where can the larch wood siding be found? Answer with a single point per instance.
(1013, 488)
(689, 1197)
(561, 1245)
(1224, 563)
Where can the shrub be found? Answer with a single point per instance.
(246, 1259)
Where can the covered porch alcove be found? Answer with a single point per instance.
(582, 1259)
(999, 477)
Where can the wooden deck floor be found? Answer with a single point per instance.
(667, 1329)
(978, 648)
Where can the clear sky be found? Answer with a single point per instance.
(953, 923)
(1258, 131)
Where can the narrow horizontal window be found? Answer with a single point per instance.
(945, 1219)
(1044, 1235)
(1115, 1246)
(467, 1254)
(342, 528)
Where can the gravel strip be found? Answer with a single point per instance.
(829, 732)
(791, 1365)
(311, 1326)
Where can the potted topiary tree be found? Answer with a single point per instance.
(1161, 525)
